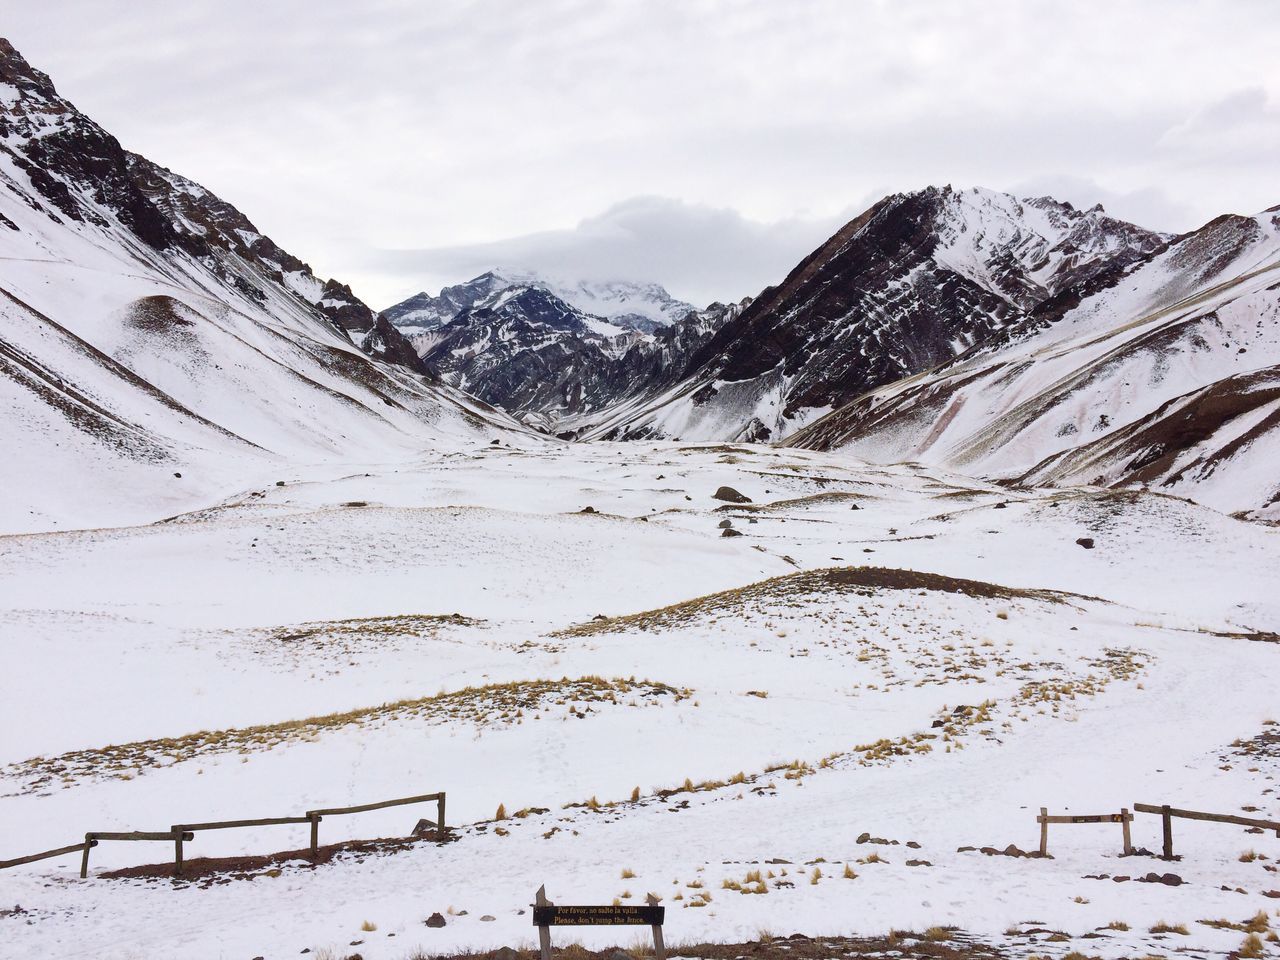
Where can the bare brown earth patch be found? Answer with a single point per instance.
(797, 946)
(220, 870)
(814, 499)
(814, 583)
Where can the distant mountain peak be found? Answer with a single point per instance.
(629, 304)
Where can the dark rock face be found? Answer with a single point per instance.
(78, 168)
(69, 158)
(527, 351)
(913, 282)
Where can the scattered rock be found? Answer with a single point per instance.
(730, 495)
(435, 920)
(599, 616)
(1010, 851)
(854, 506)
(279, 483)
(1001, 505)
(587, 510)
(730, 532)
(1086, 542)
(725, 524)
(919, 863)
(178, 475)
(1168, 879)
(913, 845)
(495, 443)
(488, 918)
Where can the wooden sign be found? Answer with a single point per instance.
(1100, 818)
(1124, 818)
(547, 915)
(553, 916)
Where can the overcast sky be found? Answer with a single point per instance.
(399, 144)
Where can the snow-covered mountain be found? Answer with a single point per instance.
(524, 349)
(156, 347)
(1162, 373)
(911, 283)
(621, 303)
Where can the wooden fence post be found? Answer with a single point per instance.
(659, 948)
(1125, 819)
(440, 813)
(544, 933)
(89, 844)
(1044, 831)
(315, 835)
(1168, 831)
(177, 850)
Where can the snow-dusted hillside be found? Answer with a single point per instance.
(156, 349)
(913, 282)
(1164, 374)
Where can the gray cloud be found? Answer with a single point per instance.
(453, 124)
(700, 253)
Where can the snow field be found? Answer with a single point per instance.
(1085, 680)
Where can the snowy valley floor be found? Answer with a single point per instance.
(731, 723)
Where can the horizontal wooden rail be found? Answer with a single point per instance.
(230, 824)
(60, 852)
(364, 807)
(1167, 813)
(1214, 817)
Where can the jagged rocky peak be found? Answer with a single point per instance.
(70, 161)
(630, 305)
(1028, 250)
(79, 171)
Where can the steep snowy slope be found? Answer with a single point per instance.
(1165, 374)
(155, 347)
(911, 283)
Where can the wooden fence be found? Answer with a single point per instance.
(1167, 813)
(181, 833)
(1124, 818)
